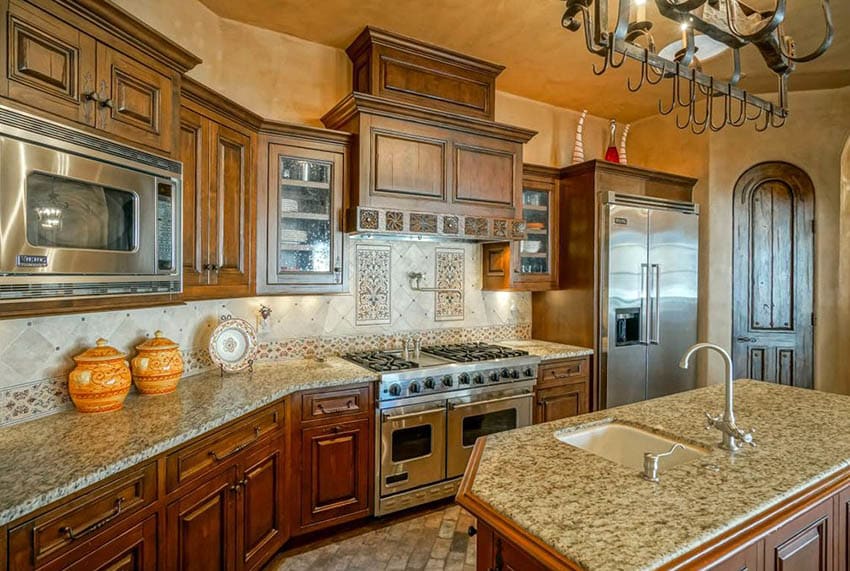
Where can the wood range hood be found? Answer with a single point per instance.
(428, 159)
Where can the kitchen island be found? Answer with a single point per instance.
(544, 504)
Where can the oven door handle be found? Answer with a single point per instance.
(388, 417)
(524, 395)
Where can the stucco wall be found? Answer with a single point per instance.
(813, 139)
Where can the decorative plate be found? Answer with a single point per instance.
(233, 344)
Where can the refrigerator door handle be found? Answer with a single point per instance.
(645, 309)
(655, 339)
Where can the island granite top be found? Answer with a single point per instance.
(602, 515)
(47, 459)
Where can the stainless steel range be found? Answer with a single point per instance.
(433, 404)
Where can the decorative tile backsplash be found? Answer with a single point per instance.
(372, 279)
(449, 269)
(36, 353)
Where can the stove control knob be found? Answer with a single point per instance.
(448, 381)
(494, 376)
(414, 387)
(528, 372)
(478, 379)
(429, 383)
(505, 373)
(395, 390)
(463, 379)
(514, 374)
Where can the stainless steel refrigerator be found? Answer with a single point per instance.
(648, 291)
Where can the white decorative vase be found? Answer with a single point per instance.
(623, 158)
(578, 148)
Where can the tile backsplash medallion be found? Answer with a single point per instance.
(380, 311)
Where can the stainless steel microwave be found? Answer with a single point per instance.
(82, 216)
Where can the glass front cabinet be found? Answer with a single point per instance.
(530, 264)
(304, 245)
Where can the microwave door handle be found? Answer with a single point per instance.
(524, 395)
(393, 417)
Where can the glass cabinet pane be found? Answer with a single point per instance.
(534, 250)
(305, 210)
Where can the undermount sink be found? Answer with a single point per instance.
(626, 445)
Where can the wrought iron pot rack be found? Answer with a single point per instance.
(704, 101)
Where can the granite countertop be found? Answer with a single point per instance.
(547, 350)
(602, 515)
(46, 459)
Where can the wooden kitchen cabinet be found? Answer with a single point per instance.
(218, 142)
(116, 78)
(301, 244)
(201, 526)
(562, 390)
(750, 558)
(495, 553)
(335, 444)
(806, 542)
(132, 550)
(261, 513)
(530, 264)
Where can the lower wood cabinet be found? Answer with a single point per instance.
(334, 471)
(132, 550)
(562, 390)
(235, 519)
(805, 543)
(201, 526)
(335, 444)
(495, 553)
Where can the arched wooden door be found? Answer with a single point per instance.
(773, 275)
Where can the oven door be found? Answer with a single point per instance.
(413, 446)
(62, 213)
(479, 415)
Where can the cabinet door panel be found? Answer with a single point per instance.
(193, 154)
(562, 402)
(133, 550)
(335, 471)
(805, 543)
(231, 151)
(51, 64)
(409, 165)
(262, 518)
(200, 526)
(140, 100)
(484, 176)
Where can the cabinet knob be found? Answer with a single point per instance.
(107, 103)
(471, 531)
(91, 96)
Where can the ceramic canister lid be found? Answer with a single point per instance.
(159, 341)
(101, 352)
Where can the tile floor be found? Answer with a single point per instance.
(435, 539)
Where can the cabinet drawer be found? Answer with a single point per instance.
(562, 371)
(334, 404)
(217, 449)
(55, 532)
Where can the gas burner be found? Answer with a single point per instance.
(381, 361)
(471, 352)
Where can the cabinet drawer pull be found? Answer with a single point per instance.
(568, 374)
(336, 429)
(348, 406)
(75, 535)
(240, 448)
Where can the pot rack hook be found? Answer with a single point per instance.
(673, 99)
(642, 78)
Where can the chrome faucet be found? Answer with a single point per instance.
(732, 437)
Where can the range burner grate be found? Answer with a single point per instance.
(381, 361)
(472, 352)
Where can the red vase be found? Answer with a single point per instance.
(611, 154)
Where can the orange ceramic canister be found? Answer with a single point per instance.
(158, 366)
(101, 380)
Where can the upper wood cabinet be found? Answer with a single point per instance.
(302, 176)
(397, 67)
(116, 77)
(530, 264)
(217, 146)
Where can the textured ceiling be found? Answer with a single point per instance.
(543, 61)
